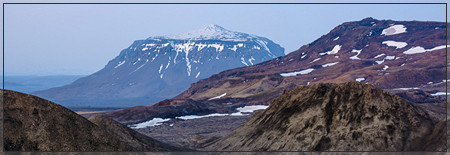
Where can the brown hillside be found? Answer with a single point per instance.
(34, 124)
(350, 116)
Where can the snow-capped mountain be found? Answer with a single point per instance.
(161, 67)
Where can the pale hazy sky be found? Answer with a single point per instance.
(48, 39)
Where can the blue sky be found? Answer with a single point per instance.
(81, 39)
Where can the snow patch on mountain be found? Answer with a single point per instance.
(154, 57)
(243, 61)
(335, 50)
(202, 116)
(405, 88)
(393, 30)
(360, 79)
(395, 44)
(252, 108)
(418, 49)
(380, 62)
(390, 57)
(150, 123)
(120, 64)
(251, 59)
(440, 93)
(379, 55)
(140, 66)
(139, 59)
(303, 56)
(160, 68)
(218, 47)
(336, 38)
(242, 111)
(264, 45)
(217, 97)
(315, 60)
(355, 57)
(438, 47)
(329, 64)
(305, 71)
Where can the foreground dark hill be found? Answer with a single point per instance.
(159, 68)
(336, 117)
(406, 58)
(35, 124)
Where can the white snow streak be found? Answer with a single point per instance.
(405, 88)
(306, 71)
(418, 49)
(120, 64)
(150, 123)
(303, 56)
(315, 60)
(440, 93)
(242, 111)
(251, 59)
(217, 97)
(379, 55)
(140, 66)
(243, 61)
(160, 68)
(329, 64)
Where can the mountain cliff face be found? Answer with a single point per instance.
(161, 67)
(336, 117)
(35, 124)
(403, 57)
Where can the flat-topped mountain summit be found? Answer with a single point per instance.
(161, 67)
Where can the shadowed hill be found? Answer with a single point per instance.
(35, 124)
(336, 117)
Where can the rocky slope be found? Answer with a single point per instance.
(159, 68)
(34, 124)
(403, 57)
(350, 116)
(353, 51)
